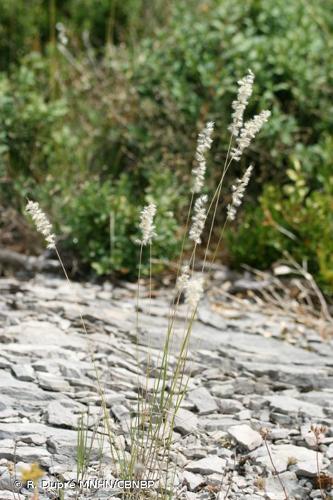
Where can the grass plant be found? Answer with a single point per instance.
(148, 449)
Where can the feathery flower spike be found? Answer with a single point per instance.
(183, 278)
(245, 87)
(203, 145)
(194, 291)
(147, 224)
(248, 132)
(42, 223)
(238, 193)
(198, 219)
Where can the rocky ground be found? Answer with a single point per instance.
(251, 368)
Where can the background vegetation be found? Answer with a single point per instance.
(101, 102)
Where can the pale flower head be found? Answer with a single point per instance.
(245, 87)
(42, 223)
(203, 145)
(198, 219)
(238, 190)
(248, 132)
(146, 225)
(194, 291)
(183, 278)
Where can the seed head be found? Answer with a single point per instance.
(198, 219)
(238, 193)
(194, 291)
(146, 225)
(203, 145)
(183, 278)
(245, 87)
(42, 223)
(247, 133)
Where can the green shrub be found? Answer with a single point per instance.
(291, 219)
(30, 25)
(102, 226)
(132, 116)
(32, 129)
(20, 29)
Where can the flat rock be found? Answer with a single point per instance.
(217, 423)
(302, 459)
(53, 383)
(273, 488)
(230, 406)
(193, 481)
(202, 400)
(24, 372)
(245, 436)
(248, 368)
(186, 422)
(207, 465)
(60, 416)
(27, 454)
(329, 452)
(285, 404)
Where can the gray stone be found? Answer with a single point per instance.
(58, 415)
(207, 465)
(8, 495)
(186, 422)
(285, 404)
(248, 372)
(24, 372)
(278, 433)
(193, 481)
(273, 488)
(222, 390)
(6, 482)
(27, 454)
(303, 460)
(53, 383)
(329, 452)
(203, 400)
(245, 436)
(230, 406)
(244, 415)
(120, 411)
(219, 423)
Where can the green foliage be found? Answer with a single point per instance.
(77, 124)
(31, 128)
(293, 219)
(19, 31)
(102, 226)
(195, 64)
(28, 25)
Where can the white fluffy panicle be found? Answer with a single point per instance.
(42, 223)
(245, 86)
(248, 132)
(238, 190)
(183, 278)
(203, 145)
(198, 219)
(147, 224)
(194, 291)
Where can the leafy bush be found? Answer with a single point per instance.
(32, 128)
(30, 26)
(127, 121)
(290, 219)
(79, 172)
(102, 226)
